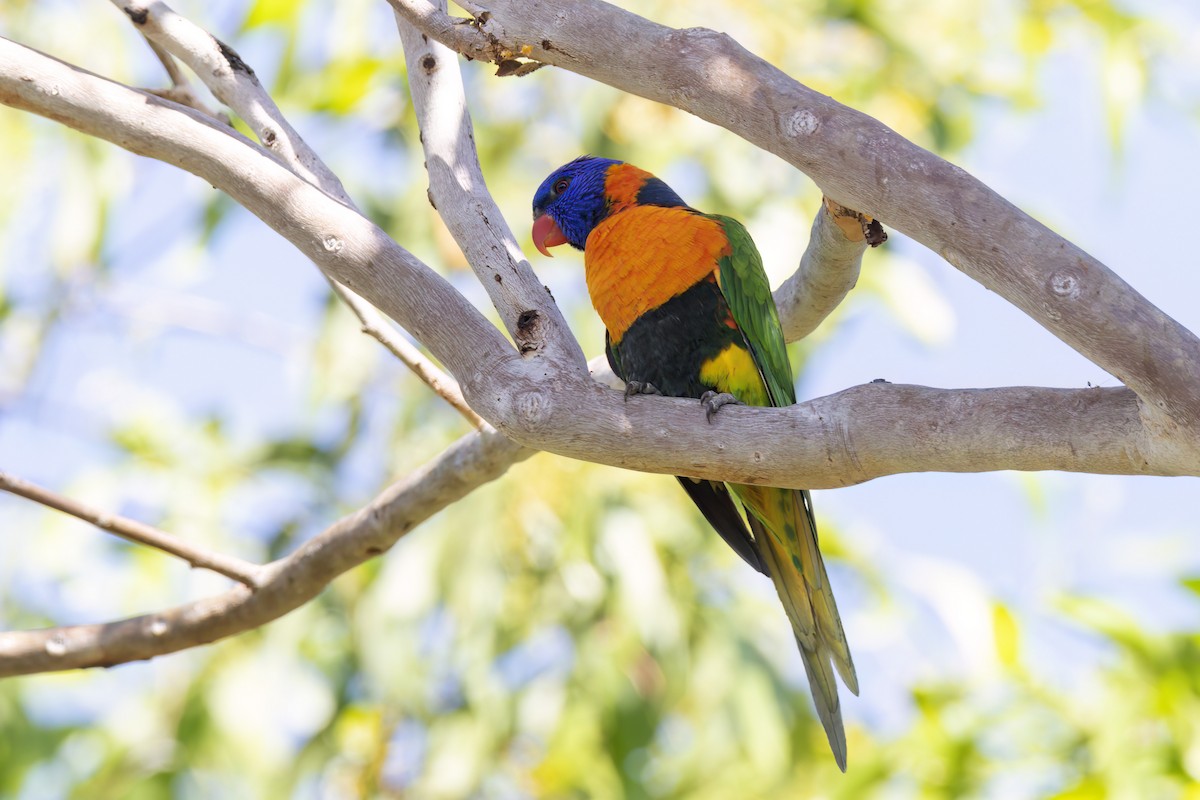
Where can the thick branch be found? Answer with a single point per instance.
(866, 432)
(564, 412)
(862, 164)
(340, 240)
(134, 531)
(285, 585)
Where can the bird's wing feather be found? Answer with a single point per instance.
(782, 519)
(748, 293)
(717, 506)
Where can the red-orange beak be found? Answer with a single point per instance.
(547, 234)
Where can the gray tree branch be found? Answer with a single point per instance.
(233, 82)
(539, 396)
(861, 163)
(459, 193)
(563, 411)
(828, 271)
(134, 531)
(282, 585)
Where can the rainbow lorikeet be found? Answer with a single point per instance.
(688, 312)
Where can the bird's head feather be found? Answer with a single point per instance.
(580, 194)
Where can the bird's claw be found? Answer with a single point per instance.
(640, 387)
(714, 401)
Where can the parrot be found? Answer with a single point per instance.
(688, 312)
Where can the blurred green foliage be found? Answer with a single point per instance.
(571, 630)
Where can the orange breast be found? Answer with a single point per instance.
(639, 258)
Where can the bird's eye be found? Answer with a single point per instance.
(561, 185)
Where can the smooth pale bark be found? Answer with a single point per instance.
(283, 585)
(860, 163)
(460, 195)
(234, 83)
(550, 403)
(828, 271)
(539, 394)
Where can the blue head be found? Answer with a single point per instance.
(571, 202)
(578, 196)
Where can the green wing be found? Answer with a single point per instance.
(785, 531)
(748, 292)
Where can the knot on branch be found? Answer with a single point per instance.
(529, 331)
(532, 408)
(138, 15)
(683, 39)
(1065, 284)
(233, 59)
(801, 122)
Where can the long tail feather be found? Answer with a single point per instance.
(786, 534)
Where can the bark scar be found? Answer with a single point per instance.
(855, 225)
(138, 15)
(233, 59)
(529, 331)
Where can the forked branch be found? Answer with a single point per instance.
(282, 585)
(233, 82)
(539, 395)
(551, 403)
(861, 163)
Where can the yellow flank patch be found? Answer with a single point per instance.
(640, 258)
(734, 371)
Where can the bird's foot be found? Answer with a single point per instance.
(640, 387)
(714, 401)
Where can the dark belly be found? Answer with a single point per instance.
(667, 346)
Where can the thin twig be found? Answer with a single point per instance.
(134, 531)
(373, 324)
(233, 82)
(176, 75)
(286, 584)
